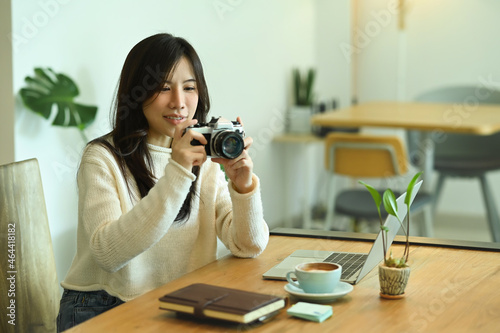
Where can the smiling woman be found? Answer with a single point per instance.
(151, 207)
(174, 104)
(248, 68)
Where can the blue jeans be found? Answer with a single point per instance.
(79, 306)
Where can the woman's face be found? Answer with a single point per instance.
(173, 105)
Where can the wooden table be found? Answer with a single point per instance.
(450, 290)
(480, 119)
(430, 118)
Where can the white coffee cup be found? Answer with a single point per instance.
(316, 277)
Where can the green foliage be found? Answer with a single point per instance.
(375, 195)
(303, 87)
(390, 205)
(395, 262)
(46, 89)
(409, 190)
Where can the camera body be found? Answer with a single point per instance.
(224, 137)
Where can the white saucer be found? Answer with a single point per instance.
(342, 289)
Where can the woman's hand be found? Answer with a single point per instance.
(183, 152)
(240, 169)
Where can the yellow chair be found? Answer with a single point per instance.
(29, 286)
(362, 156)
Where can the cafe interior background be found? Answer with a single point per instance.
(367, 50)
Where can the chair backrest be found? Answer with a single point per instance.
(459, 145)
(30, 290)
(365, 155)
(468, 95)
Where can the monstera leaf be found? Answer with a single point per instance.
(47, 88)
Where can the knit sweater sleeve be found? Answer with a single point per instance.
(116, 229)
(240, 219)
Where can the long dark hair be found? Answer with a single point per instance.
(143, 75)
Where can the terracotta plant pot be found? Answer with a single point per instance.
(393, 281)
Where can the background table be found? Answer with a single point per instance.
(478, 119)
(430, 118)
(450, 290)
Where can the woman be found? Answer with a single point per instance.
(151, 206)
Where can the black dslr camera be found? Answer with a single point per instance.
(224, 137)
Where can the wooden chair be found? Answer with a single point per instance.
(362, 156)
(30, 290)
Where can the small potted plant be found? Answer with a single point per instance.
(300, 113)
(393, 272)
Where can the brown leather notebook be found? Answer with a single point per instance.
(209, 301)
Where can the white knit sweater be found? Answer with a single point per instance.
(127, 246)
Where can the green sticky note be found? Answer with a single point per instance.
(310, 311)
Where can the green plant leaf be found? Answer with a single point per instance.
(46, 89)
(308, 86)
(303, 87)
(390, 204)
(409, 190)
(402, 263)
(375, 195)
(296, 85)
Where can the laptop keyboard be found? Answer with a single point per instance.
(350, 262)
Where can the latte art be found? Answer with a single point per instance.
(318, 267)
(315, 277)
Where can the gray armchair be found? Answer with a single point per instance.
(464, 155)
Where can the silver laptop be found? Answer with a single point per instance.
(354, 265)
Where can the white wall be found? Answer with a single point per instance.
(444, 42)
(331, 28)
(247, 47)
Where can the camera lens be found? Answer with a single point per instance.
(228, 144)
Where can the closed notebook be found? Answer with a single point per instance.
(209, 301)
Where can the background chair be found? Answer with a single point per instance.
(362, 156)
(464, 155)
(29, 277)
